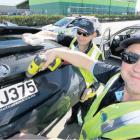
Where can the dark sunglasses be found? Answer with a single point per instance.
(129, 57)
(83, 33)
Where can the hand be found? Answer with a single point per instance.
(31, 39)
(86, 94)
(25, 37)
(50, 57)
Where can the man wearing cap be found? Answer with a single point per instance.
(83, 42)
(115, 112)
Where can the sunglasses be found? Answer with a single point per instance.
(129, 57)
(83, 33)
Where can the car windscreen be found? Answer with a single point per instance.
(63, 22)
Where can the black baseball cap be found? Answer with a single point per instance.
(85, 25)
(134, 39)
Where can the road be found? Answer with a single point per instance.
(72, 132)
(115, 26)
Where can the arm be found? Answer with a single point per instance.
(46, 35)
(61, 38)
(77, 59)
(38, 38)
(102, 71)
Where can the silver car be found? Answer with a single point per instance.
(69, 24)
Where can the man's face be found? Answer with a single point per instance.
(84, 38)
(131, 72)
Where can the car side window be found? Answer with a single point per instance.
(75, 22)
(118, 38)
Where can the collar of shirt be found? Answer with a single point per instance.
(119, 95)
(76, 48)
(87, 50)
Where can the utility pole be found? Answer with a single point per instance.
(129, 5)
(109, 8)
(128, 1)
(82, 7)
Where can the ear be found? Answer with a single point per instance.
(94, 35)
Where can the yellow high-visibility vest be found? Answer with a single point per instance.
(94, 53)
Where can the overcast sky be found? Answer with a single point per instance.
(138, 5)
(14, 2)
(10, 2)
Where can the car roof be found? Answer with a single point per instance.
(76, 17)
(90, 17)
(70, 17)
(138, 25)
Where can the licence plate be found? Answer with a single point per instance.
(17, 92)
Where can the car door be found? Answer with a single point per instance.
(111, 53)
(104, 44)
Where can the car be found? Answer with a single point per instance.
(32, 104)
(69, 24)
(7, 23)
(109, 43)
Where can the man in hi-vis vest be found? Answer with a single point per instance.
(115, 112)
(83, 42)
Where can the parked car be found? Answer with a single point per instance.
(7, 23)
(69, 24)
(32, 105)
(109, 43)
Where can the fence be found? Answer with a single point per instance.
(99, 10)
(67, 10)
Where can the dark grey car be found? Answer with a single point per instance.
(32, 104)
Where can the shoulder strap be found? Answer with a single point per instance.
(100, 96)
(72, 43)
(94, 52)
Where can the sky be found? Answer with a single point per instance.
(138, 5)
(14, 2)
(10, 2)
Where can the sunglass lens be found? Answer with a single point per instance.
(82, 33)
(129, 57)
(79, 33)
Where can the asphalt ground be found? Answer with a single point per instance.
(63, 131)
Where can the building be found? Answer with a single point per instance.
(66, 7)
(6, 10)
(14, 9)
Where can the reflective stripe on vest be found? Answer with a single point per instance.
(94, 53)
(129, 118)
(125, 123)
